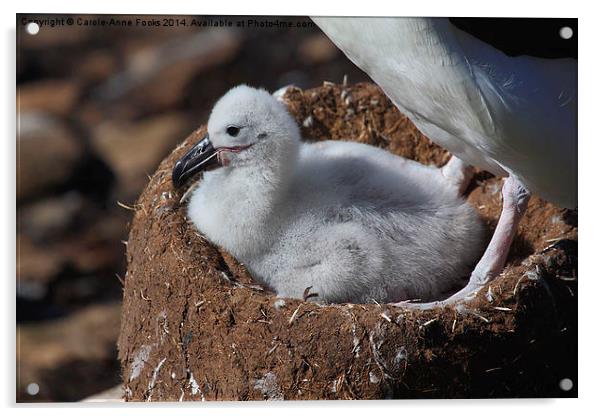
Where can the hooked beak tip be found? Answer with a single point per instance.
(201, 157)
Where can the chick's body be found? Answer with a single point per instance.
(353, 222)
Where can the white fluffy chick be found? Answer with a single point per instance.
(352, 222)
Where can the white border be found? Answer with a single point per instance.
(507, 8)
(590, 152)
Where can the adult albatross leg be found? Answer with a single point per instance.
(515, 199)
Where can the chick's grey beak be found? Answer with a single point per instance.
(201, 157)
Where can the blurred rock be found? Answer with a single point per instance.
(96, 246)
(50, 218)
(36, 267)
(317, 49)
(156, 76)
(82, 346)
(69, 269)
(47, 154)
(96, 66)
(51, 96)
(133, 150)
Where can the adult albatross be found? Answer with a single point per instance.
(513, 116)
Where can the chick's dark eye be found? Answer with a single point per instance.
(233, 131)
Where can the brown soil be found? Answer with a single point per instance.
(194, 327)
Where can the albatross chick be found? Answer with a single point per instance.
(350, 221)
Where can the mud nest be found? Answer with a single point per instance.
(196, 327)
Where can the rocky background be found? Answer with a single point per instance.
(98, 109)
